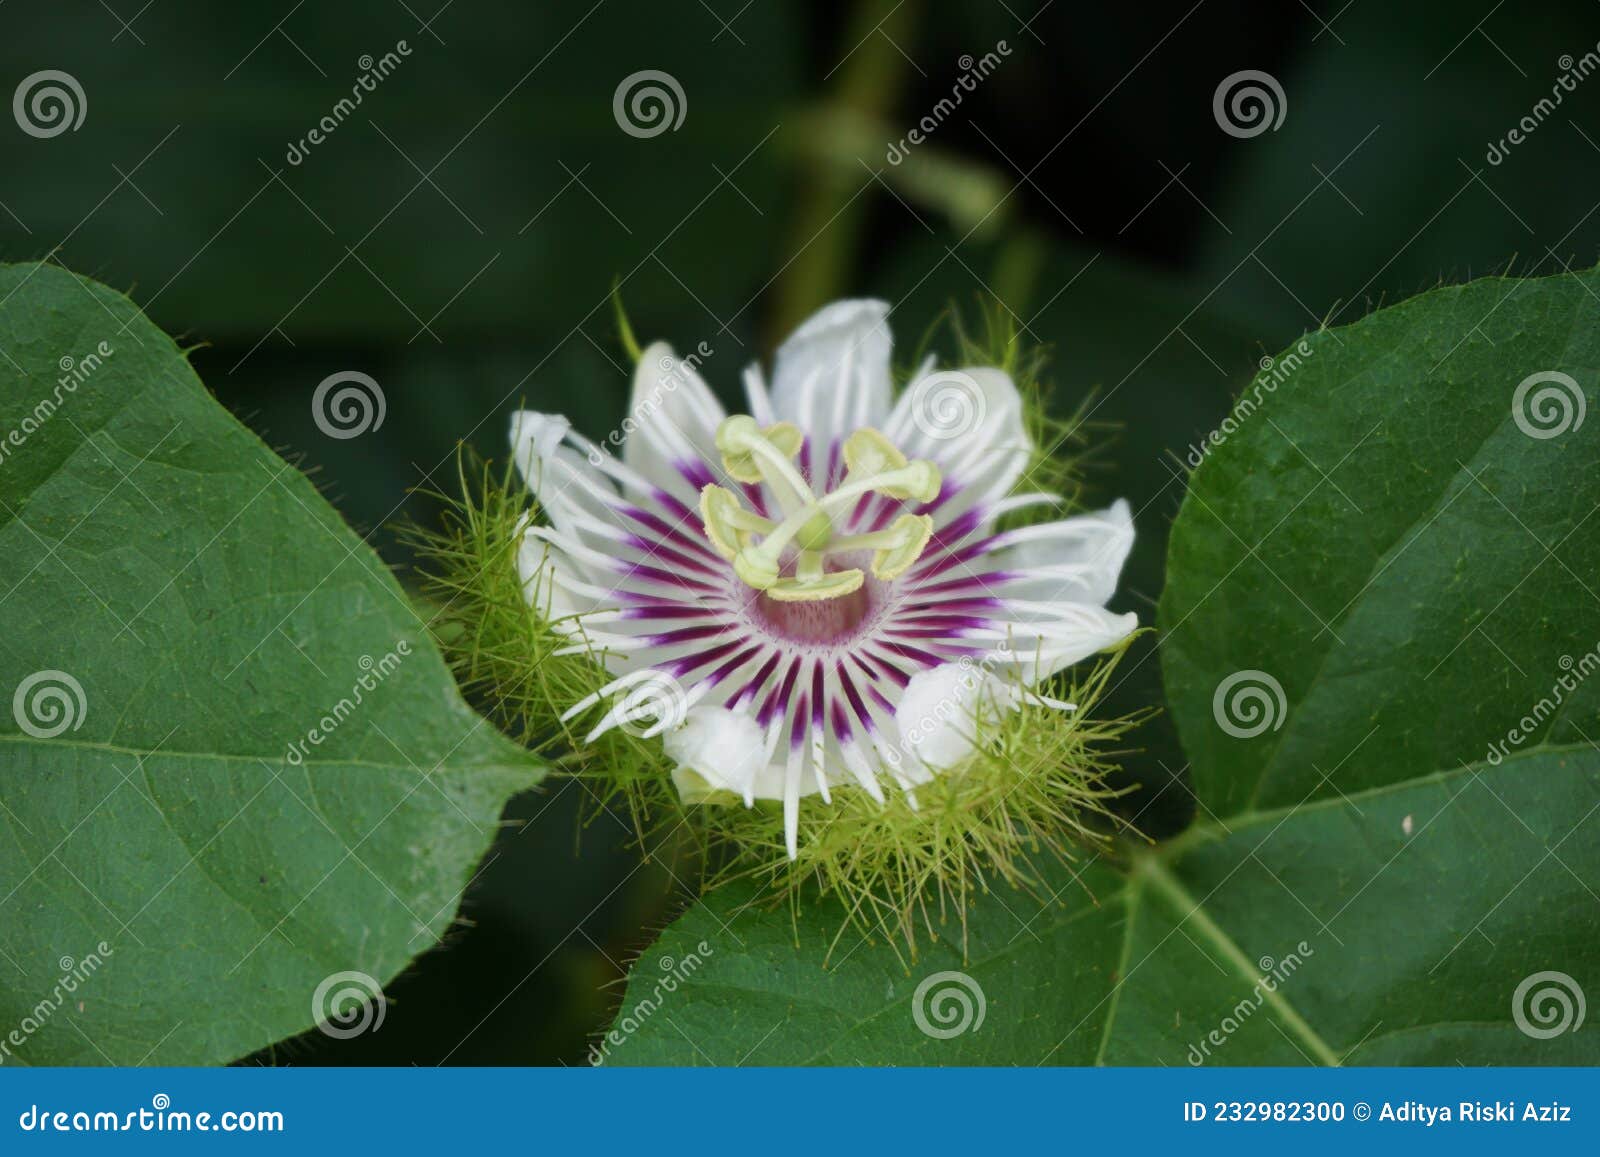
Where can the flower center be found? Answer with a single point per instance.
(761, 548)
(829, 622)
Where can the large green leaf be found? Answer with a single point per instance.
(200, 612)
(1385, 540)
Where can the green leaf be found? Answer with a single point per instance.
(750, 995)
(1384, 540)
(256, 771)
(1380, 869)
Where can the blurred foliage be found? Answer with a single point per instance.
(457, 238)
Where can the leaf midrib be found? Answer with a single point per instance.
(1154, 869)
(273, 760)
(1156, 866)
(1210, 830)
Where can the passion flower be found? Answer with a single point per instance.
(836, 624)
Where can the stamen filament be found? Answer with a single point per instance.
(920, 477)
(766, 452)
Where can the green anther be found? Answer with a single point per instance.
(734, 439)
(786, 437)
(746, 448)
(728, 526)
(868, 452)
(913, 532)
(755, 569)
(919, 479)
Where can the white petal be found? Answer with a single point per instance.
(1076, 559)
(566, 483)
(944, 711)
(970, 422)
(537, 563)
(535, 436)
(672, 418)
(832, 376)
(716, 750)
(1089, 631)
(756, 397)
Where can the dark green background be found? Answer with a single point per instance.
(486, 190)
